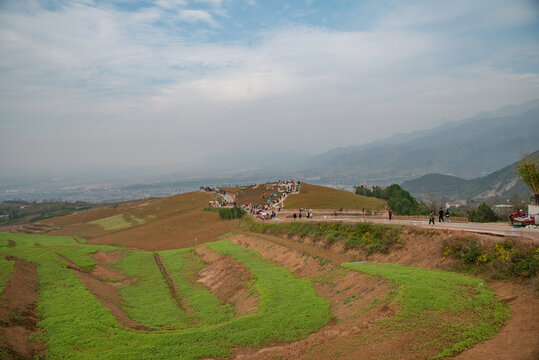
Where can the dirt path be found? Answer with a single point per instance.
(171, 284)
(18, 315)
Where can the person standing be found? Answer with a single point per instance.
(447, 215)
(431, 218)
(441, 215)
(294, 216)
(390, 213)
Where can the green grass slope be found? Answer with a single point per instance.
(430, 299)
(78, 327)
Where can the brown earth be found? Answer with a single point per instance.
(185, 230)
(518, 339)
(258, 194)
(104, 272)
(228, 279)
(18, 313)
(169, 223)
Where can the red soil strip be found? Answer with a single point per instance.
(107, 294)
(228, 279)
(102, 271)
(18, 316)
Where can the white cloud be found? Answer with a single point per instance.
(97, 69)
(194, 16)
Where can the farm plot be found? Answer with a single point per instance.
(209, 301)
(81, 321)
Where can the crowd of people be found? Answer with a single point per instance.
(443, 216)
(216, 203)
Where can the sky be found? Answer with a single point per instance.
(101, 84)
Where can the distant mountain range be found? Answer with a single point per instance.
(467, 148)
(502, 183)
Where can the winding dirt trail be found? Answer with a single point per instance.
(18, 312)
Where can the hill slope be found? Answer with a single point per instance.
(468, 148)
(501, 183)
(172, 222)
(321, 197)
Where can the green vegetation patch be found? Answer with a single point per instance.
(136, 220)
(460, 310)
(228, 213)
(500, 261)
(115, 222)
(6, 269)
(369, 237)
(148, 300)
(77, 326)
(26, 240)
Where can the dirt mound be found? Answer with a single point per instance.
(229, 280)
(18, 316)
(102, 271)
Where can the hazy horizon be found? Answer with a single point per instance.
(109, 85)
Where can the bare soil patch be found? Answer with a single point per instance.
(18, 315)
(518, 339)
(228, 279)
(104, 272)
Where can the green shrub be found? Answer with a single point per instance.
(231, 213)
(366, 236)
(483, 213)
(501, 261)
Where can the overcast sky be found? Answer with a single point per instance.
(110, 83)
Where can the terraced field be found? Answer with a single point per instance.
(240, 297)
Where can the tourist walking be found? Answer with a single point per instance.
(431, 218)
(390, 213)
(447, 215)
(441, 215)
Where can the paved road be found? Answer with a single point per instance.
(489, 228)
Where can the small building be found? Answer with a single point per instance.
(454, 204)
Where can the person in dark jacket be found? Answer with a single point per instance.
(441, 215)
